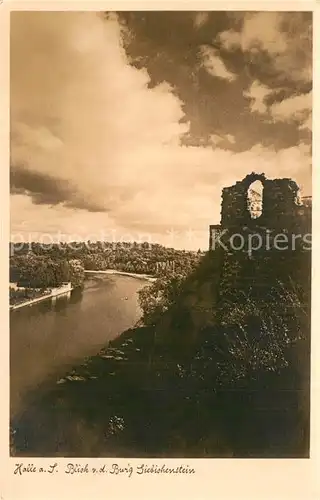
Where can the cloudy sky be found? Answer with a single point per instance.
(128, 125)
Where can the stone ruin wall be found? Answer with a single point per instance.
(282, 213)
(222, 278)
(280, 204)
(282, 210)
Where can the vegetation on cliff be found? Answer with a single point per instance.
(207, 376)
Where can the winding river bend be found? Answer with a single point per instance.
(48, 338)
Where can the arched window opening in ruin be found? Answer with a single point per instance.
(298, 198)
(255, 199)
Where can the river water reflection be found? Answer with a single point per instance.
(48, 338)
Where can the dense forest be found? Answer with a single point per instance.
(41, 266)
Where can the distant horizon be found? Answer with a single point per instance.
(111, 242)
(141, 238)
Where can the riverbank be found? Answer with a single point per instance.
(55, 292)
(47, 339)
(147, 277)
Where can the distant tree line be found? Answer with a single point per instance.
(43, 266)
(40, 272)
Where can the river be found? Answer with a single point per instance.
(48, 338)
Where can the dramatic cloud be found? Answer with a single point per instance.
(286, 38)
(48, 190)
(307, 123)
(167, 212)
(77, 117)
(257, 93)
(98, 144)
(200, 19)
(214, 65)
(296, 108)
(218, 139)
(259, 30)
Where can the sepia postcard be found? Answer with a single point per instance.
(159, 195)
